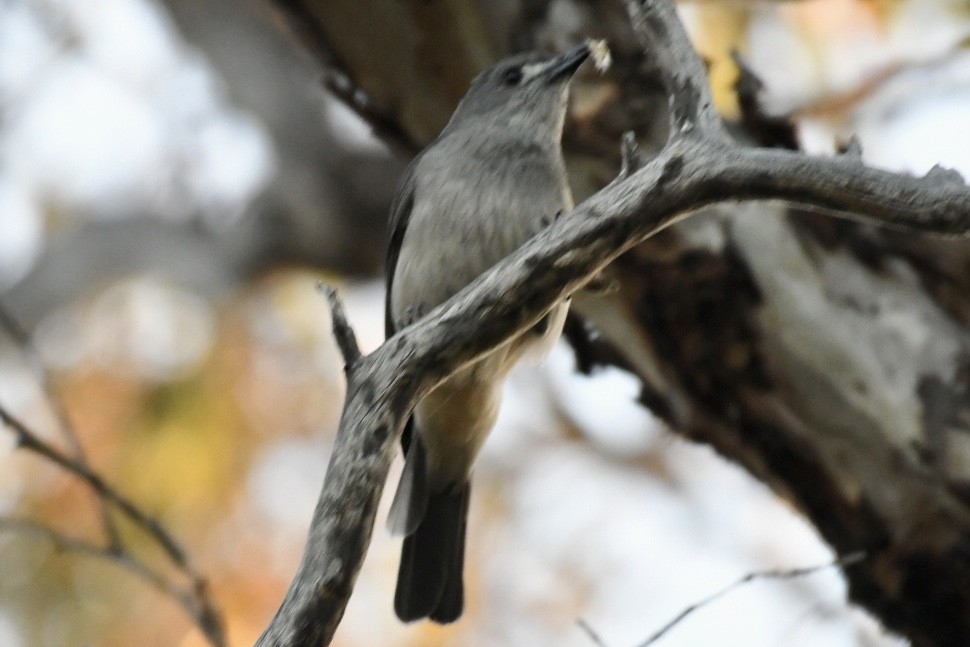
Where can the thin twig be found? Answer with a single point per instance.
(342, 332)
(339, 81)
(589, 631)
(846, 560)
(85, 548)
(384, 126)
(25, 345)
(31, 354)
(197, 608)
(206, 613)
(27, 439)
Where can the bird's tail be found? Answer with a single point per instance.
(429, 581)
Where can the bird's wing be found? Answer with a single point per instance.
(398, 223)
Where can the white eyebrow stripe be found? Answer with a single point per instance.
(533, 70)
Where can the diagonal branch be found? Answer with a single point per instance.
(338, 79)
(27, 439)
(203, 615)
(699, 166)
(21, 338)
(196, 600)
(85, 548)
(787, 574)
(25, 344)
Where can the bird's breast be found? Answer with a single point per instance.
(470, 212)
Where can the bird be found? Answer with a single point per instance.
(492, 179)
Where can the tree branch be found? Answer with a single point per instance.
(663, 37)
(338, 79)
(21, 338)
(23, 341)
(195, 600)
(591, 633)
(342, 332)
(698, 167)
(787, 574)
(204, 615)
(27, 439)
(774, 574)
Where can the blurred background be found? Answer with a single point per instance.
(174, 181)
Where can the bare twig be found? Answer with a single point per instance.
(589, 631)
(339, 81)
(342, 332)
(27, 439)
(118, 556)
(203, 608)
(66, 544)
(845, 560)
(188, 598)
(25, 344)
(340, 84)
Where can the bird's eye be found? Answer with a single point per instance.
(513, 76)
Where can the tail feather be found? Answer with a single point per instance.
(429, 581)
(411, 498)
(453, 597)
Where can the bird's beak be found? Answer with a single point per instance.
(568, 63)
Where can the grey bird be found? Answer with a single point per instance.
(492, 179)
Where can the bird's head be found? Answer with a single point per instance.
(523, 93)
